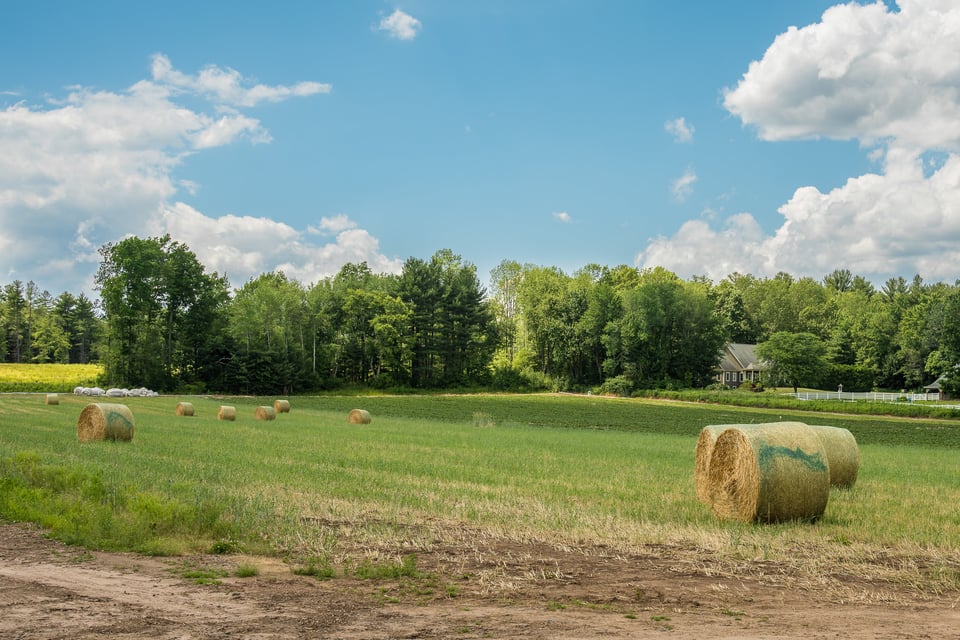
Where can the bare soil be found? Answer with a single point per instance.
(497, 589)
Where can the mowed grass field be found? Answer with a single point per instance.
(575, 471)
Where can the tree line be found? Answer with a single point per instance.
(164, 322)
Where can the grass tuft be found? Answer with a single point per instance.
(405, 568)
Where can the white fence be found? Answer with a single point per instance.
(875, 396)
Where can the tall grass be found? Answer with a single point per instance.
(310, 485)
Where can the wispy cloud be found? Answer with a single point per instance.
(227, 86)
(680, 130)
(400, 25)
(682, 187)
(562, 216)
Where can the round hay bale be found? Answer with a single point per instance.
(52, 398)
(359, 416)
(281, 406)
(843, 455)
(769, 473)
(184, 409)
(701, 474)
(264, 413)
(227, 412)
(105, 421)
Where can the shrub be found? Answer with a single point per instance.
(618, 385)
(506, 378)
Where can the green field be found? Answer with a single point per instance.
(566, 470)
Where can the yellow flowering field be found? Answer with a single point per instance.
(58, 378)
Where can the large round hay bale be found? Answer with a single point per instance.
(105, 421)
(359, 416)
(769, 473)
(281, 406)
(51, 399)
(843, 455)
(701, 475)
(227, 412)
(184, 409)
(264, 413)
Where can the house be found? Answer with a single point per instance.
(739, 363)
(934, 387)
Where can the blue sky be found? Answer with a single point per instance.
(705, 137)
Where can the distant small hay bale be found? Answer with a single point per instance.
(359, 416)
(184, 409)
(281, 406)
(701, 475)
(265, 413)
(52, 398)
(105, 421)
(227, 412)
(843, 455)
(769, 473)
(483, 419)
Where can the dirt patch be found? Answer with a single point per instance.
(499, 589)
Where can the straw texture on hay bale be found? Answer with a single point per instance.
(701, 474)
(105, 421)
(264, 413)
(769, 473)
(184, 409)
(52, 398)
(843, 455)
(359, 416)
(281, 406)
(227, 412)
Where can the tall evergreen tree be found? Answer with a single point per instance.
(15, 307)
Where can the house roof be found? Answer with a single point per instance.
(744, 357)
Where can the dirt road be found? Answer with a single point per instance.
(504, 590)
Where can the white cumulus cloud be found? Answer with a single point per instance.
(97, 166)
(400, 25)
(888, 79)
(332, 225)
(562, 216)
(243, 247)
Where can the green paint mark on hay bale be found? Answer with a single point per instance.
(771, 454)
